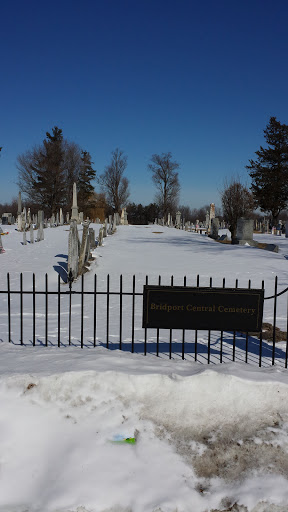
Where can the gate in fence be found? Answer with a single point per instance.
(91, 312)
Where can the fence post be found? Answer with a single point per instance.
(21, 308)
(34, 311)
(9, 307)
(274, 321)
(82, 309)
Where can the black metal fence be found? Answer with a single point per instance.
(103, 316)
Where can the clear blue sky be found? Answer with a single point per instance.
(199, 79)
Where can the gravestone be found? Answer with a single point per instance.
(83, 248)
(178, 220)
(24, 238)
(73, 249)
(92, 238)
(40, 216)
(31, 234)
(74, 214)
(7, 218)
(61, 217)
(244, 234)
(214, 228)
(67, 218)
(40, 233)
(110, 232)
(19, 222)
(1, 245)
(211, 216)
(124, 220)
(105, 228)
(19, 213)
(100, 237)
(279, 228)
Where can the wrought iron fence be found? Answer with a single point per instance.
(103, 316)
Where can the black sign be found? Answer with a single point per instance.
(219, 309)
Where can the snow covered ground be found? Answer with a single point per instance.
(207, 437)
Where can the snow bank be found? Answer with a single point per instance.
(203, 435)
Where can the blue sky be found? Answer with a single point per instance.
(199, 79)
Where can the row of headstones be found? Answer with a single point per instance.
(265, 227)
(245, 230)
(80, 254)
(109, 227)
(40, 234)
(188, 226)
(25, 220)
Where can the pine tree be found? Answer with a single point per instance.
(49, 175)
(269, 172)
(85, 187)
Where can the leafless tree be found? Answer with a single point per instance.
(27, 177)
(113, 182)
(237, 201)
(165, 176)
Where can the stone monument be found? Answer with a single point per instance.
(214, 228)
(73, 249)
(124, 220)
(75, 214)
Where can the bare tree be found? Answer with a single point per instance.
(237, 201)
(113, 182)
(27, 176)
(165, 177)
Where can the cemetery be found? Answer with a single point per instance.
(144, 315)
(157, 344)
(89, 258)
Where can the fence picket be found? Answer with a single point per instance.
(182, 346)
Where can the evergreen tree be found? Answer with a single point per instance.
(49, 175)
(85, 187)
(269, 172)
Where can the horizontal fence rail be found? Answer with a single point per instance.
(103, 316)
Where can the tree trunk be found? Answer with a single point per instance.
(233, 230)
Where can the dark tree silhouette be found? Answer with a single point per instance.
(269, 172)
(237, 201)
(114, 184)
(165, 176)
